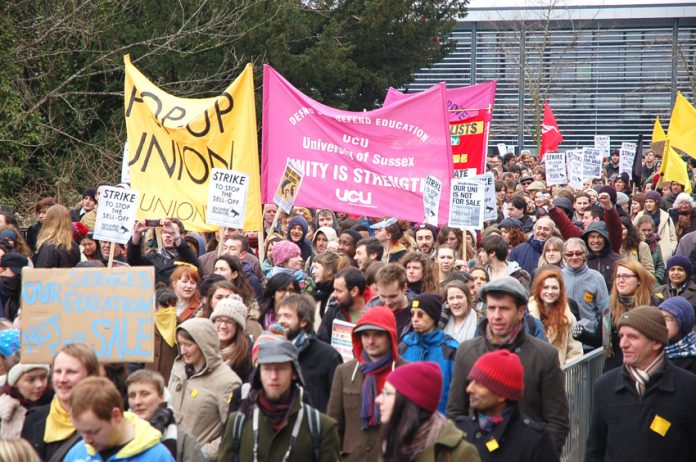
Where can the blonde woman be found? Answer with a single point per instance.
(55, 245)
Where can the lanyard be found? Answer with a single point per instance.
(293, 435)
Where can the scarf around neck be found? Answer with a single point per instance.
(641, 377)
(59, 425)
(488, 423)
(276, 412)
(165, 320)
(684, 348)
(371, 370)
(506, 340)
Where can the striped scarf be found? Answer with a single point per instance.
(641, 377)
(369, 411)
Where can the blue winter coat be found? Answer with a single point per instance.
(433, 346)
(527, 254)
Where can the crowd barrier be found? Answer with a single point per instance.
(580, 375)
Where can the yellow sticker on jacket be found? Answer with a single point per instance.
(194, 392)
(589, 297)
(660, 425)
(492, 445)
(660, 295)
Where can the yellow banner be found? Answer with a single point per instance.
(174, 143)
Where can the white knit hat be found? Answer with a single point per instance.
(19, 369)
(233, 307)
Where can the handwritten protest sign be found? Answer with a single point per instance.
(556, 172)
(115, 214)
(466, 204)
(431, 199)
(574, 162)
(603, 143)
(502, 149)
(591, 163)
(111, 310)
(628, 146)
(626, 157)
(490, 206)
(288, 187)
(341, 339)
(227, 198)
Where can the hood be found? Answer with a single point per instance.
(200, 242)
(329, 232)
(380, 316)
(297, 220)
(513, 266)
(203, 332)
(146, 436)
(601, 228)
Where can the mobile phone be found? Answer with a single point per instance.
(152, 223)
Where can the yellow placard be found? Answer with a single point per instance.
(492, 445)
(660, 425)
(174, 143)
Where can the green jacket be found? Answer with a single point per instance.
(450, 446)
(273, 445)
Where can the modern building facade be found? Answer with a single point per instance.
(605, 70)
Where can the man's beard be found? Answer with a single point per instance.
(293, 333)
(347, 305)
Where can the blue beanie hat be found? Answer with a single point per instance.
(9, 342)
(680, 260)
(680, 308)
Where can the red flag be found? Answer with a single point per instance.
(550, 135)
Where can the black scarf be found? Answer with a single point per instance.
(162, 418)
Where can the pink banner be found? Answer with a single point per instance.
(365, 163)
(462, 103)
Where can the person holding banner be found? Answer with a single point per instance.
(165, 259)
(55, 247)
(49, 428)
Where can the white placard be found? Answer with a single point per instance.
(288, 187)
(603, 143)
(465, 173)
(574, 162)
(629, 146)
(591, 163)
(626, 157)
(227, 198)
(556, 172)
(490, 205)
(431, 199)
(502, 149)
(125, 169)
(115, 214)
(466, 204)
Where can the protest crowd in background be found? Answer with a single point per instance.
(341, 336)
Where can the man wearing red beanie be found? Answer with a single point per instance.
(498, 429)
(357, 384)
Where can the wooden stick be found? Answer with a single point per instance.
(111, 254)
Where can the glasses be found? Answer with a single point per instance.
(526, 183)
(226, 321)
(625, 277)
(417, 314)
(574, 254)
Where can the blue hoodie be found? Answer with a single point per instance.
(304, 245)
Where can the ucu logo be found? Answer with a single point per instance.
(354, 197)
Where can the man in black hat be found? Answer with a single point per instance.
(273, 422)
(89, 202)
(11, 265)
(426, 237)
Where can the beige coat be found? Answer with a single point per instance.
(642, 256)
(568, 349)
(667, 233)
(201, 402)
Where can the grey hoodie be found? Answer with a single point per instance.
(587, 287)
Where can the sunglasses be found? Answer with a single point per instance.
(574, 254)
(417, 314)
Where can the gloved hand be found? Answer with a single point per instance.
(578, 330)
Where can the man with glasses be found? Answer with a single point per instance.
(584, 285)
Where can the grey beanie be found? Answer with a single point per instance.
(232, 307)
(19, 369)
(506, 285)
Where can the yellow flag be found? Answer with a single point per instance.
(174, 143)
(682, 126)
(658, 133)
(674, 168)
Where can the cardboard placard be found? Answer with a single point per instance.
(109, 309)
(342, 340)
(591, 163)
(431, 199)
(289, 186)
(556, 171)
(115, 214)
(603, 143)
(466, 204)
(491, 207)
(227, 198)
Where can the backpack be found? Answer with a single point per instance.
(313, 420)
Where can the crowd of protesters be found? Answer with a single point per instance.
(458, 337)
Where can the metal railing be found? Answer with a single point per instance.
(580, 375)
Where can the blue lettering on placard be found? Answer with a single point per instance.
(102, 279)
(76, 302)
(113, 337)
(38, 292)
(42, 333)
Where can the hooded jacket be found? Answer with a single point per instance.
(604, 260)
(666, 231)
(303, 244)
(200, 402)
(330, 234)
(145, 446)
(568, 229)
(527, 254)
(588, 289)
(346, 393)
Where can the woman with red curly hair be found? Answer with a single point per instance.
(549, 304)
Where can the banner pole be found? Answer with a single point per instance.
(111, 255)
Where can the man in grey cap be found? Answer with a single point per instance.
(273, 423)
(544, 397)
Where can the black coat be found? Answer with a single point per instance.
(318, 362)
(519, 439)
(620, 429)
(34, 429)
(163, 267)
(50, 256)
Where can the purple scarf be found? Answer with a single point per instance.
(369, 411)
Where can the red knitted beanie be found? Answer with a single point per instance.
(420, 382)
(501, 372)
